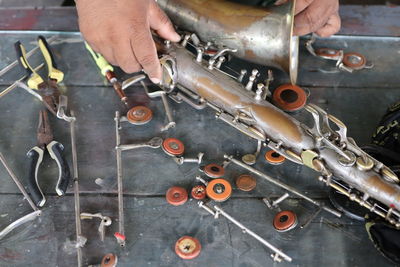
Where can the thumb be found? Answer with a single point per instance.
(161, 24)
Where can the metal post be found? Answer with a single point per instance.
(18, 183)
(121, 220)
(76, 191)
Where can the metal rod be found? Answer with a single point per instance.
(248, 231)
(76, 191)
(206, 208)
(167, 108)
(17, 182)
(15, 84)
(282, 185)
(280, 199)
(27, 218)
(30, 53)
(312, 217)
(119, 180)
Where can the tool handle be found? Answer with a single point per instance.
(35, 156)
(54, 73)
(101, 62)
(33, 78)
(64, 175)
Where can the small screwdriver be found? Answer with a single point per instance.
(108, 71)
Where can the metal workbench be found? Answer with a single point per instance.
(152, 225)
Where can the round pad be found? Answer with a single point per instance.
(214, 170)
(274, 157)
(176, 196)
(219, 190)
(246, 182)
(109, 260)
(285, 220)
(187, 247)
(173, 147)
(249, 159)
(289, 97)
(354, 60)
(139, 115)
(327, 53)
(199, 192)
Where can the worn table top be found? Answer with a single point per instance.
(153, 226)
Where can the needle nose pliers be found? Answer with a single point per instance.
(47, 89)
(55, 149)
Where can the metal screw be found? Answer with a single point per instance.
(241, 76)
(198, 160)
(252, 78)
(198, 178)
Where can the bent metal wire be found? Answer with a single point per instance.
(197, 79)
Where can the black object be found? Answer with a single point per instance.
(36, 154)
(385, 237)
(387, 136)
(349, 208)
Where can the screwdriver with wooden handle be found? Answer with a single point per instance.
(108, 71)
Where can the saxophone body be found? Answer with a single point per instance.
(259, 35)
(199, 81)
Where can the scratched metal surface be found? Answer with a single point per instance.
(152, 225)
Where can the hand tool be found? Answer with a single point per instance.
(28, 54)
(47, 89)
(108, 72)
(55, 149)
(278, 254)
(18, 83)
(29, 217)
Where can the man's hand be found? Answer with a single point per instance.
(121, 31)
(319, 16)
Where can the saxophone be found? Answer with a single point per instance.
(256, 34)
(193, 75)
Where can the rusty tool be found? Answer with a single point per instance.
(36, 154)
(108, 72)
(47, 89)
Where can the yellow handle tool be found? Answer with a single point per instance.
(54, 73)
(101, 62)
(34, 80)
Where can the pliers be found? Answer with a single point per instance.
(55, 149)
(46, 89)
